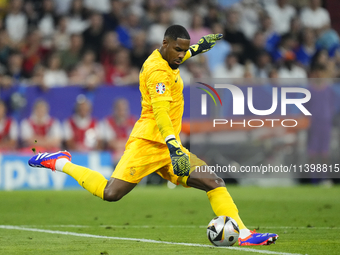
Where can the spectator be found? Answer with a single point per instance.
(111, 19)
(250, 12)
(257, 46)
(77, 18)
(156, 31)
(37, 5)
(54, 76)
(129, 25)
(5, 49)
(6, 82)
(234, 36)
(139, 52)
(287, 44)
(321, 57)
(262, 64)
(289, 70)
(100, 6)
(122, 73)
(5, 52)
(16, 23)
(212, 17)
(8, 130)
(272, 38)
(71, 57)
(74, 78)
(109, 49)
(33, 52)
(316, 17)
(91, 73)
(14, 67)
(273, 75)
(307, 49)
(62, 7)
(197, 30)
(94, 34)
(37, 78)
(281, 14)
(81, 130)
(61, 38)
(41, 130)
(181, 14)
(31, 14)
(222, 49)
(294, 32)
(117, 128)
(47, 23)
(248, 74)
(329, 40)
(230, 69)
(322, 107)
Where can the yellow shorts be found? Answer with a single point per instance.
(143, 157)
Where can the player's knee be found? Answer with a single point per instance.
(219, 181)
(112, 196)
(213, 183)
(216, 183)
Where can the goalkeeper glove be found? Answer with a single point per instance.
(205, 44)
(179, 160)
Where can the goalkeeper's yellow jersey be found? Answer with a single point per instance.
(158, 82)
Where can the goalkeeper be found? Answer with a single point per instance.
(154, 144)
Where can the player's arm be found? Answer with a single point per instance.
(160, 92)
(179, 160)
(204, 44)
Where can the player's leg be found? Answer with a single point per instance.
(115, 189)
(219, 197)
(93, 181)
(223, 204)
(112, 190)
(221, 201)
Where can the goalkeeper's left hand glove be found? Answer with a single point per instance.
(205, 44)
(180, 160)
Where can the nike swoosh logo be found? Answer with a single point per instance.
(176, 79)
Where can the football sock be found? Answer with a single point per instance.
(244, 233)
(90, 180)
(60, 163)
(223, 204)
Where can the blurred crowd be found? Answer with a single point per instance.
(91, 43)
(80, 132)
(51, 43)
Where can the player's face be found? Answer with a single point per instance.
(175, 51)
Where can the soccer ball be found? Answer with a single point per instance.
(223, 231)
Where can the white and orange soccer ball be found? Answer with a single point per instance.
(223, 231)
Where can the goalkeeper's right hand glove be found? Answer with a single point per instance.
(180, 160)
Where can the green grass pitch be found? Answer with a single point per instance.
(306, 219)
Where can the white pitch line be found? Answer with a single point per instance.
(170, 226)
(140, 240)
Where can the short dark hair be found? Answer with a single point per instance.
(177, 31)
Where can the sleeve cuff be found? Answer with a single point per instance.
(169, 137)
